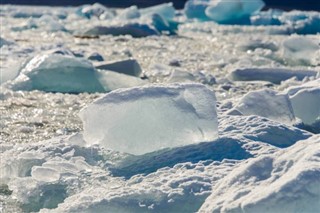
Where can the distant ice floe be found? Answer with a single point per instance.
(274, 75)
(168, 115)
(59, 71)
(282, 182)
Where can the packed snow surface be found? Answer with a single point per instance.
(220, 114)
(145, 119)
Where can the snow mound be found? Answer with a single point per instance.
(168, 115)
(260, 129)
(267, 103)
(274, 75)
(57, 73)
(286, 181)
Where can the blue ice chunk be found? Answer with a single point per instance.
(164, 26)
(196, 9)
(233, 12)
(301, 22)
(166, 10)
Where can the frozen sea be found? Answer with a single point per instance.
(159, 110)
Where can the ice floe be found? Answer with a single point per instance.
(169, 116)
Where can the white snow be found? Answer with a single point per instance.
(146, 119)
(287, 181)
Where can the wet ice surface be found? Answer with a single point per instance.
(42, 168)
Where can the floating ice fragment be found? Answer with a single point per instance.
(232, 12)
(269, 104)
(57, 73)
(164, 26)
(145, 119)
(133, 29)
(274, 75)
(44, 174)
(286, 181)
(128, 67)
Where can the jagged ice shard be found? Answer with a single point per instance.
(145, 119)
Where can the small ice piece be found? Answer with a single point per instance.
(95, 57)
(128, 67)
(113, 80)
(301, 22)
(165, 10)
(145, 119)
(58, 73)
(274, 75)
(4, 42)
(134, 29)
(181, 76)
(232, 12)
(298, 50)
(306, 106)
(269, 104)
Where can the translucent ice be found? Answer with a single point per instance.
(145, 119)
(269, 104)
(58, 73)
(91, 10)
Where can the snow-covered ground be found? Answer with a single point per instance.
(159, 110)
